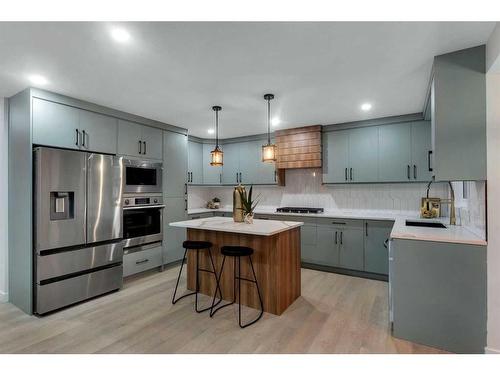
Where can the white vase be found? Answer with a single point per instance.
(249, 218)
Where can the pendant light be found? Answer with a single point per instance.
(216, 155)
(269, 150)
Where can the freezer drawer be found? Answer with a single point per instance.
(68, 262)
(149, 257)
(66, 292)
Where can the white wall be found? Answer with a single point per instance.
(493, 138)
(3, 203)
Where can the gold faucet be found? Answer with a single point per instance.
(451, 202)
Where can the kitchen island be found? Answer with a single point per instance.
(276, 259)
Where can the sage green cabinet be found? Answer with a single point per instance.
(363, 154)
(326, 252)
(458, 114)
(212, 175)
(55, 124)
(99, 132)
(60, 125)
(376, 237)
(139, 141)
(175, 161)
(250, 160)
(231, 168)
(175, 210)
(420, 151)
(336, 156)
(195, 163)
(395, 152)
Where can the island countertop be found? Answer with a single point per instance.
(226, 224)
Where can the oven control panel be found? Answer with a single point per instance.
(141, 201)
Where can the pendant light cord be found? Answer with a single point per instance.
(268, 121)
(216, 129)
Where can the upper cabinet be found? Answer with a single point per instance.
(60, 125)
(398, 152)
(139, 140)
(195, 163)
(351, 155)
(458, 115)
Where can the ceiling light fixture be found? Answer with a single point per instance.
(269, 150)
(38, 80)
(366, 107)
(120, 35)
(216, 156)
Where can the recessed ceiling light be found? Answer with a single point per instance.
(366, 107)
(211, 131)
(120, 35)
(275, 121)
(37, 79)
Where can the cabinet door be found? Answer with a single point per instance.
(152, 142)
(308, 237)
(195, 163)
(211, 174)
(420, 147)
(326, 251)
(363, 154)
(395, 152)
(174, 164)
(231, 166)
(376, 253)
(129, 138)
(335, 156)
(101, 132)
(175, 210)
(55, 125)
(351, 248)
(250, 162)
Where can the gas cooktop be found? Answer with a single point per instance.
(300, 210)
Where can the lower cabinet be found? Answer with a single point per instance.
(351, 249)
(376, 237)
(326, 251)
(142, 259)
(200, 215)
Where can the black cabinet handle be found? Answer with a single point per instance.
(341, 238)
(338, 223)
(366, 229)
(350, 172)
(145, 152)
(220, 178)
(237, 178)
(429, 160)
(191, 176)
(77, 136)
(195, 217)
(185, 189)
(386, 242)
(142, 261)
(240, 177)
(408, 171)
(140, 147)
(346, 174)
(83, 137)
(335, 238)
(186, 205)
(414, 171)
(275, 173)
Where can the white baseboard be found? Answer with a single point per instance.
(491, 351)
(4, 296)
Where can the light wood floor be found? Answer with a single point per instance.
(336, 314)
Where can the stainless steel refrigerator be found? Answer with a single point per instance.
(77, 226)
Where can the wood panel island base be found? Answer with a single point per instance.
(276, 260)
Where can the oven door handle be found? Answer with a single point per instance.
(142, 207)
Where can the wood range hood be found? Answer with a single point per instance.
(299, 147)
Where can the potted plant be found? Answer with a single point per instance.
(248, 205)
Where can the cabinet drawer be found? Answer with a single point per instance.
(142, 260)
(201, 215)
(351, 223)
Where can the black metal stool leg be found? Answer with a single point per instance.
(217, 285)
(174, 301)
(212, 311)
(260, 298)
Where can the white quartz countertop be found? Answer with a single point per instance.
(226, 224)
(452, 233)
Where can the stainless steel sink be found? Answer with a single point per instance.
(430, 224)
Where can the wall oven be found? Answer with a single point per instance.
(142, 176)
(142, 220)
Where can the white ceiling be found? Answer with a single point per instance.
(174, 72)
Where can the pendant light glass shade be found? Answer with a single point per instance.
(269, 150)
(216, 156)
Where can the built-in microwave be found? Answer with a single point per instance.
(142, 176)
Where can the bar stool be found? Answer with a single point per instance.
(237, 252)
(198, 246)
